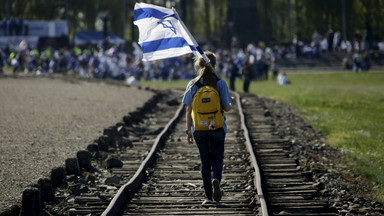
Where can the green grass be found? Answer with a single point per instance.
(347, 107)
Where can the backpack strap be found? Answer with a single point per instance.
(217, 80)
(199, 84)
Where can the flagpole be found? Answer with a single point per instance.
(205, 57)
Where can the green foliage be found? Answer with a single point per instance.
(208, 19)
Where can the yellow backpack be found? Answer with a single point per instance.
(206, 109)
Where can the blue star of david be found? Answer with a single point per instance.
(170, 26)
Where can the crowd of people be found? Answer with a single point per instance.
(118, 63)
(254, 62)
(332, 41)
(88, 62)
(359, 51)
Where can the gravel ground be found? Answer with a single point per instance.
(44, 121)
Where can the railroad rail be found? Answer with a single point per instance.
(148, 168)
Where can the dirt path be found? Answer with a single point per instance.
(44, 121)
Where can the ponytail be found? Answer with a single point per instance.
(206, 72)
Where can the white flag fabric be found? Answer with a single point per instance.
(161, 33)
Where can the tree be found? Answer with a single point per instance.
(243, 21)
(215, 20)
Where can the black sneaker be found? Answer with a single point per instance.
(216, 190)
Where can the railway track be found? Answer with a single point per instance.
(175, 186)
(172, 185)
(288, 190)
(148, 168)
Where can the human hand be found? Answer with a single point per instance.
(233, 99)
(190, 138)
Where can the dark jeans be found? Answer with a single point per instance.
(247, 82)
(211, 149)
(232, 83)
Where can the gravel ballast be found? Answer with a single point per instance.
(45, 121)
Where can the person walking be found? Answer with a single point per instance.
(234, 72)
(248, 71)
(209, 133)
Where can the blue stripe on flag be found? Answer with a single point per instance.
(200, 50)
(193, 48)
(149, 13)
(162, 44)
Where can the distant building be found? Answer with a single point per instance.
(33, 31)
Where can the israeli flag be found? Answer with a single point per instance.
(162, 33)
